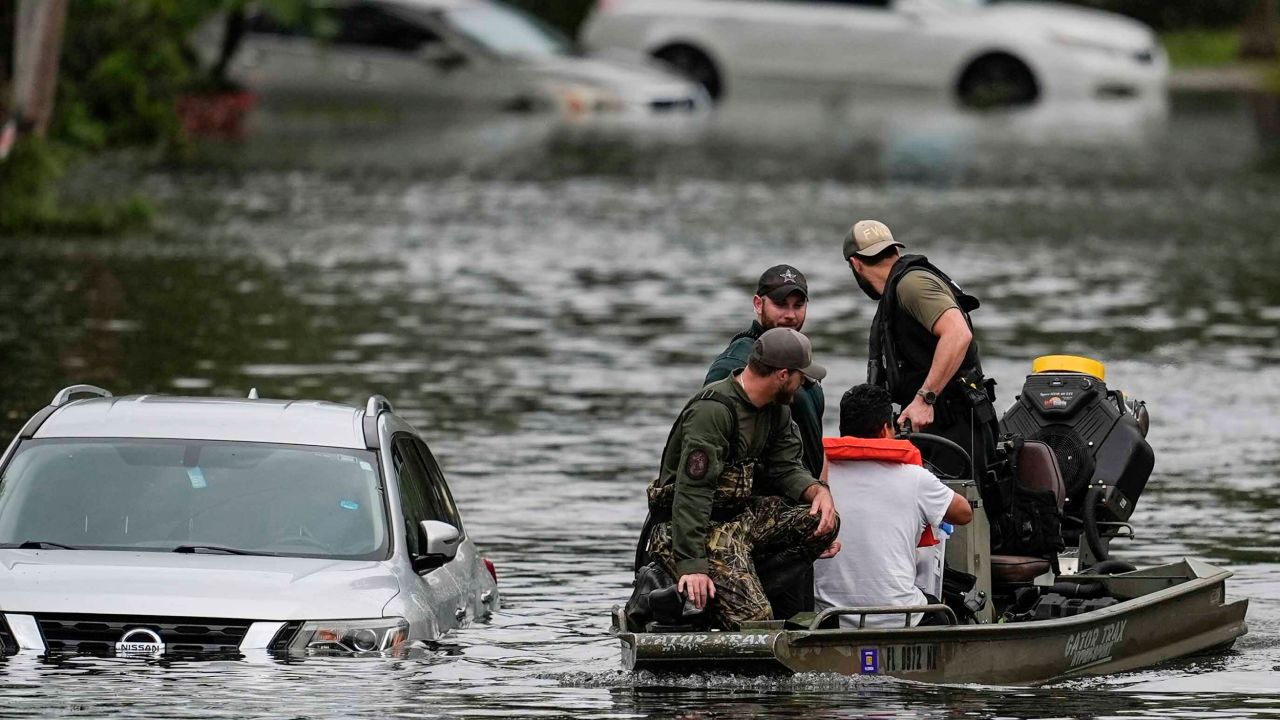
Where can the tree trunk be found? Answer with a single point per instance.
(7, 8)
(1258, 37)
(37, 45)
(232, 35)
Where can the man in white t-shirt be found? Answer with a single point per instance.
(885, 499)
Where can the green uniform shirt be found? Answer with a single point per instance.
(696, 455)
(924, 296)
(806, 408)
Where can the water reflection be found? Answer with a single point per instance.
(860, 134)
(539, 300)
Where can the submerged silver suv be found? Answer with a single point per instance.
(178, 526)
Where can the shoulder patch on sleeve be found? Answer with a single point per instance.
(695, 466)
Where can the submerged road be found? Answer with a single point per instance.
(541, 302)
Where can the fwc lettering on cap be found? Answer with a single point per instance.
(868, 238)
(787, 349)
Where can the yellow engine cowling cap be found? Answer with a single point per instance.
(1069, 363)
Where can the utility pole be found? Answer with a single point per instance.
(37, 45)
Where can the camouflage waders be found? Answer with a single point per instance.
(765, 524)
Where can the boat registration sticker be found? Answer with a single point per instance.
(920, 657)
(870, 660)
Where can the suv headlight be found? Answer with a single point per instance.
(350, 637)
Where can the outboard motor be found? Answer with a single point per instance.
(1097, 436)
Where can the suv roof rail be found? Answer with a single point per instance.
(62, 398)
(64, 395)
(376, 405)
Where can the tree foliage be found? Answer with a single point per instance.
(566, 15)
(1166, 15)
(122, 67)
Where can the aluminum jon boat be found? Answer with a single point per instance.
(1165, 612)
(1043, 614)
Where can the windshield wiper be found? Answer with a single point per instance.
(193, 549)
(38, 545)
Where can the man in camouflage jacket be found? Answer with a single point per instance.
(709, 523)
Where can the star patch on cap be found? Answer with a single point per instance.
(695, 466)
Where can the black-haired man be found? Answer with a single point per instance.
(885, 499)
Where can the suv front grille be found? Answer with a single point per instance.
(98, 634)
(8, 643)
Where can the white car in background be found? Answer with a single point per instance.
(442, 54)
(1005, 53)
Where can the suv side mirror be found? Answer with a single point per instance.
(441, 545)
(442, 538)
(441, 55)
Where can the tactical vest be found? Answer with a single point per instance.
(901, 349)
(734, 486)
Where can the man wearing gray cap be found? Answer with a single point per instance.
(708, 522)
(921, 343)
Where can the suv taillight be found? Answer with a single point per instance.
(493, 571)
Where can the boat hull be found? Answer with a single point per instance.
(1171, 611)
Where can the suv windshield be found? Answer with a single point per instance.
(507, 32)
(194, 496)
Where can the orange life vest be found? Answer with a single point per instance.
(883, 449)
(891, 450)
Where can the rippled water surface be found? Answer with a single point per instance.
(539, 301)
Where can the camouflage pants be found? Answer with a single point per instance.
(768, 525)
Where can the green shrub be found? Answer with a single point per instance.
(1201, 48)
(1178, 14)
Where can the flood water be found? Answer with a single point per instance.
(540, 299)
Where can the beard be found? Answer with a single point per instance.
(785, 395)
(769, 323)
(867, 287)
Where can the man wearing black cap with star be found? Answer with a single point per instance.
(781, 300)
(708, 522)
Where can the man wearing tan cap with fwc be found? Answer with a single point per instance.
(921, 346)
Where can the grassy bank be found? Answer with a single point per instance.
(1201, 48)
(1217, 50)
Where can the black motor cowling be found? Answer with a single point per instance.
(1098, 437)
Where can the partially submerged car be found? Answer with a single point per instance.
(437, 54)
(987, 53)
(183, 526)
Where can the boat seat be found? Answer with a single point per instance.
(1038, 471)
(1020, 569)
